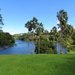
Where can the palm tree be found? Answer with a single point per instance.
(65, 29)
(32, 25)
(63, 18)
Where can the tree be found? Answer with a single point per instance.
(1, 22)
(46, 32)
(54, 33)
(32, 25)
(63, 18)
(65, 29)
(73, 37)
(6, 39)
(39, 31)
(53, 37)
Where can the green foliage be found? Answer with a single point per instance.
(73, 37)
(54, 34)
(16, 36)
(51, 51)
(32, 24)
(27, 37)
(63, 18)
(44, 46)
(72, 48)
(66, 30)
(45, 41)
(6, 39)
(39, 29)
(46, 32)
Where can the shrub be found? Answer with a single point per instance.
(6, 39)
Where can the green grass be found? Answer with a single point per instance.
(37, 64)
(71, 52)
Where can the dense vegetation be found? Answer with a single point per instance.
(45, 41)
(37, 64)
(6, 39)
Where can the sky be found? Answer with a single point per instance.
(17, 12)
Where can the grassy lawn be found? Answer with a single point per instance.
(37, 64)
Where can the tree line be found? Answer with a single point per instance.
(45, 41)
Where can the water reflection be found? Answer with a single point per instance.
(20, 47)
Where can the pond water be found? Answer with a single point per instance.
(20, 47)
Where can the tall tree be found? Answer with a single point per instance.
(39, 31)
(65, 29)
(32, 25)
(63, 18)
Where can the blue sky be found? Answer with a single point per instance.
(17, 12)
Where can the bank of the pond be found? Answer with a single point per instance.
(5, 47)
(37, 64)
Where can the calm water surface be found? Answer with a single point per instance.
(21, 47)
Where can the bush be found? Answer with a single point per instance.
(44, 46)
(72, 48)
(6, 39)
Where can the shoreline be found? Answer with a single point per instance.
(5, 47)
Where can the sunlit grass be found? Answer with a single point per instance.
(37, 64)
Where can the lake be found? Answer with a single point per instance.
(20, 47)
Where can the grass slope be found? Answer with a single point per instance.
(37, 64)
